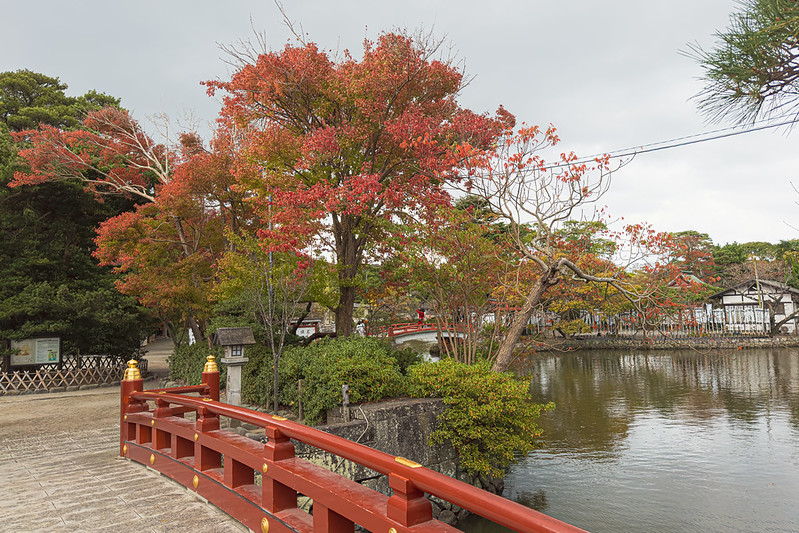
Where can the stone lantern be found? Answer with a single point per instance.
(234, 340)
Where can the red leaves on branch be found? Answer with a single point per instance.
(344, 147)
(110, 154)
(375, 132)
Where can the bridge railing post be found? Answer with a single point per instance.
(205, 458)
(276, 496)
(131, 382)
(211, 377)
(325, 519)
(408, 504)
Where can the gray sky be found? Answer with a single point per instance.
(609, 75)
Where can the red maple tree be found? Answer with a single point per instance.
(348, 147)
(167, 247)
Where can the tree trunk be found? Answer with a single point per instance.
(775, 329)
(196, 329)
(275, 381)
(344, 311)
(302, 317)
(522, 317)
(348, 255)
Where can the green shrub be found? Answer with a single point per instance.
(186, 363)
(490, 417)
(259, 357)
(406, 357)
(365, 364)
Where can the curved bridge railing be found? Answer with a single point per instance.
(258, 483)
(405, 328)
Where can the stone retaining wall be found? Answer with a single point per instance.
(608, 343)
(400, 428)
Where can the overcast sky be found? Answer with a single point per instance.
(609, 75)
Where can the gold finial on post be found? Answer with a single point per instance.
(132, 372)
(210, 364)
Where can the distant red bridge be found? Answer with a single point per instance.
(404, 328)
(425, 329)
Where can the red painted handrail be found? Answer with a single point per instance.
(191, 452)
(393, 330)
(409, 327)
(404, 328)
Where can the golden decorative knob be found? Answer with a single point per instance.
(132, 372)
(152, 458)
(195, 481)
(210, 364)
(264, 526)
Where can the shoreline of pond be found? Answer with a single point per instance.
(689, 343)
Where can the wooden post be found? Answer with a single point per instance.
(276, 496)
(205, 458)
(6, 366)
(131, 382)
(325, 519)
(299, 402)
(211, 377)
(345, 404)
(408, 505)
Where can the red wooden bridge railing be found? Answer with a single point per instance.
(405, 328)
(409, 327)
(224, 468)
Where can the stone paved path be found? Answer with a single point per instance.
(60, 471)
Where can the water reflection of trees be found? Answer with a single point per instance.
(598, 394)
(533, 499)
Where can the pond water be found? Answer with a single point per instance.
(665, 442)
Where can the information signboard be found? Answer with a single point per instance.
(36, 351)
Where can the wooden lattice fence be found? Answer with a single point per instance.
(74, 373)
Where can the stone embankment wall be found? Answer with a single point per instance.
(608, 343)
(401, 428)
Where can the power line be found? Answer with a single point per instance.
(674, 143)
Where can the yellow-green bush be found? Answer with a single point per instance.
(490, 417)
